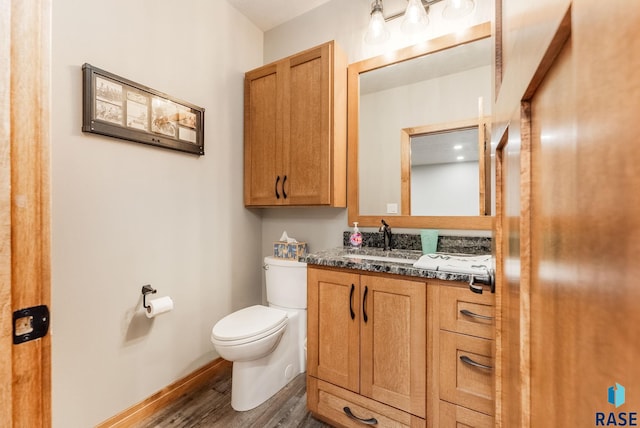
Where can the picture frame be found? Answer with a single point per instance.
(120, 108)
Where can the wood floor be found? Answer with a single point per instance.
(210, 406)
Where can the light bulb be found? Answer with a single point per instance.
(455, 9)
(415, 18)
(377, 31)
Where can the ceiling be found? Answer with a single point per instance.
(267, 14)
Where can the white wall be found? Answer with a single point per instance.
(434, 193)
(125, 214)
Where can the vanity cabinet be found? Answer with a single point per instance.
(464, 357)
(295, 130)
(366, 348)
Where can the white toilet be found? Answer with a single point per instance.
(266, 344)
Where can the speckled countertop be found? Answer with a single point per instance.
(349, 258)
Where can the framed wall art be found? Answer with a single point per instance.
(119, 108)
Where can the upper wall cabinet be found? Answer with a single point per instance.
(295, 130)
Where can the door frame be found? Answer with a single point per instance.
(25, 273)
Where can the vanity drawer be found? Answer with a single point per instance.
(330, 401)
(466, 371)
(452, 416)
(463, 311)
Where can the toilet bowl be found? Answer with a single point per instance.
(266, 343)
(249, 333)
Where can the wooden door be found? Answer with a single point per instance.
(263, 175)
(333, 327)
(393, 336)
(580, 104)
(308, 132)
(24, 207)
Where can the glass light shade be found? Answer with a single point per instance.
(415, 18)
(377, 31)
(455, 9)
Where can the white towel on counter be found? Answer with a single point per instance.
(474, 265)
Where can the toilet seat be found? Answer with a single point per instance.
(248, 325)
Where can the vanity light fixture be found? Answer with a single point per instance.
(415, 16)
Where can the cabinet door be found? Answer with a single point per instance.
(393, 337)
(333, 345)
(263, 136)
(307, 128)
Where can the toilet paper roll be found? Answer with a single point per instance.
(159, 306)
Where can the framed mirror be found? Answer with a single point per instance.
(413, 103)
(443, 169)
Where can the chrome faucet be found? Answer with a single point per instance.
(386, 231)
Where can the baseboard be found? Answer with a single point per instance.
(165, 396)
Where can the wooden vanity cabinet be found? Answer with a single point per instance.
(295, 130)
(465, 362)
(366, 347)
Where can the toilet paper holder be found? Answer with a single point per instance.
(147, 289)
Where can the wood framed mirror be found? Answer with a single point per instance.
(432, 88)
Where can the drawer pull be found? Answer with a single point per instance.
(474, 315)
(277, 181)
(353, 314)
(472, 363)
(370, 421)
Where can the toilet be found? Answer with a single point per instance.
(266, 343)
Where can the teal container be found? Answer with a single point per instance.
(429, 238)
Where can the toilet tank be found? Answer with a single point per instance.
(286, 282)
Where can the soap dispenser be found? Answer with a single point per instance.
(356, 237)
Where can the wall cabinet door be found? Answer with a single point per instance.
(263, 128)
(295, 130)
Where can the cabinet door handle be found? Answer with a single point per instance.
(353, 314)
(364, 304)
(284, 194)
(474, 315)
(370, 421)
(277, 181)
(468, 361)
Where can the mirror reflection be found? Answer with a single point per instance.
(443, 176)
(437, 88)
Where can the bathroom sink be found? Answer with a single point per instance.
(379, 258)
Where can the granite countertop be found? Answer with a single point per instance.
(350, 258)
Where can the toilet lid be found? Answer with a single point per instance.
(248, 322)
